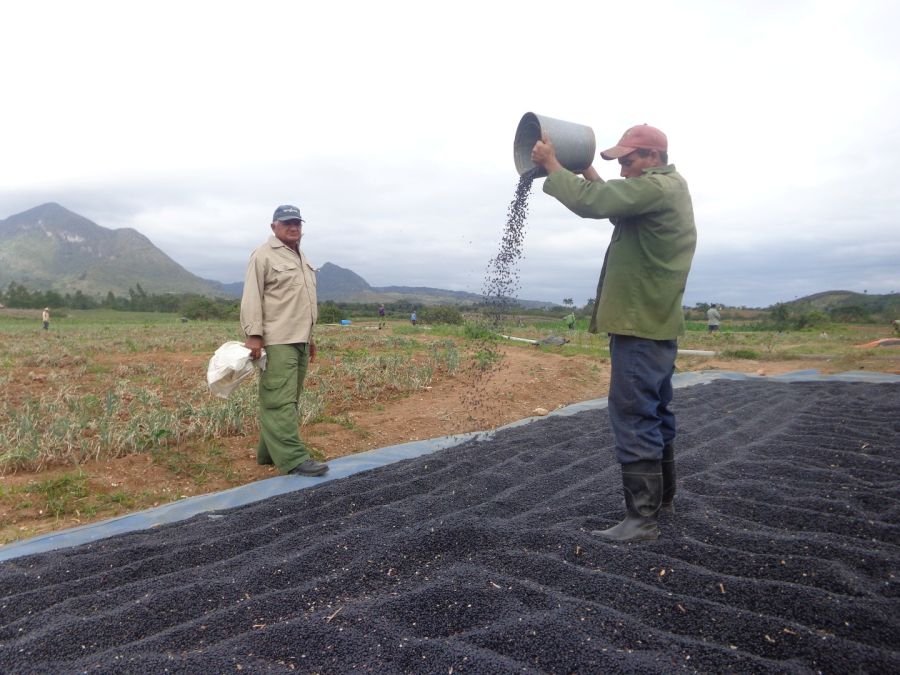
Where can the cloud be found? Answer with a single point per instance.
(191, 121)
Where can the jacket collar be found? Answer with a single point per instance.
(275, 242)
(668, 168)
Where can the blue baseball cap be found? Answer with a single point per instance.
(287, 212)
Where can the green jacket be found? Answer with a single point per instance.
(650, 253)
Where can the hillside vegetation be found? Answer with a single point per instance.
(51, 248)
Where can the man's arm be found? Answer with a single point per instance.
(251, 307)
(609, 199)
(591, 174)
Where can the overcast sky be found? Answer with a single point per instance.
(391, 125)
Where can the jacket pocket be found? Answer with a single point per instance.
(287, 274)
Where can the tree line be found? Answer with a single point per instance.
(780, 316)
(194, 306)
(189, 305)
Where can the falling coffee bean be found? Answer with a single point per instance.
(501, 286)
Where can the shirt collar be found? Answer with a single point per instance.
(275, 242)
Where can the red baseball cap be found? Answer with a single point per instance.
(641, 136)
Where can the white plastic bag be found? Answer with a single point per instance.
(229, 366)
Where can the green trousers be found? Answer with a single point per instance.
(279, 415)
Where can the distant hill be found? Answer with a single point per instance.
(831, 300)
(51, 248)
(233, 290)
(850, 306)
(342, 285)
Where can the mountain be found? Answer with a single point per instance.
(833, 299)
(340, 284)
(846, 301)
(343, 285)
(51, 248)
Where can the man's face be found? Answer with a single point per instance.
(288, 231)
(633, 164)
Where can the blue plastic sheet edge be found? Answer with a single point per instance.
(364, 461)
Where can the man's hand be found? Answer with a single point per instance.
(544, 154)
(255, 344)
(312, 351)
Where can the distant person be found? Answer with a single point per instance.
(45, 318)
(896, 325)
(713, 319)
(278, 312)
(412, 318)
(380, 317)
(570, 320)
(641, 288)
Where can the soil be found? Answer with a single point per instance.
(528, 383)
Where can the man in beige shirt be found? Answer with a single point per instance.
(278, 312)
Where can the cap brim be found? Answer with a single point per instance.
(616, 151)
(284, 219)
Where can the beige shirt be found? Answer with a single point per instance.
(279, 301)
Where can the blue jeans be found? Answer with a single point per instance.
(640, 391)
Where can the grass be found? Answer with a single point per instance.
(59, 496)
(72, 497)
(484, 359)
(201, 466)
(96, 389)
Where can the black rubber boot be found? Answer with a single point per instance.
(643, 494)
(668, 479)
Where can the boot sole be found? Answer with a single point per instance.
(644, 537)
(310, 474)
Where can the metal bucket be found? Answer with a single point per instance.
(575, 144)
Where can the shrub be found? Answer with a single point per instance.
(478, 331)
(329, 312)
(811, 319)
(485, 358)
(444, 314)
